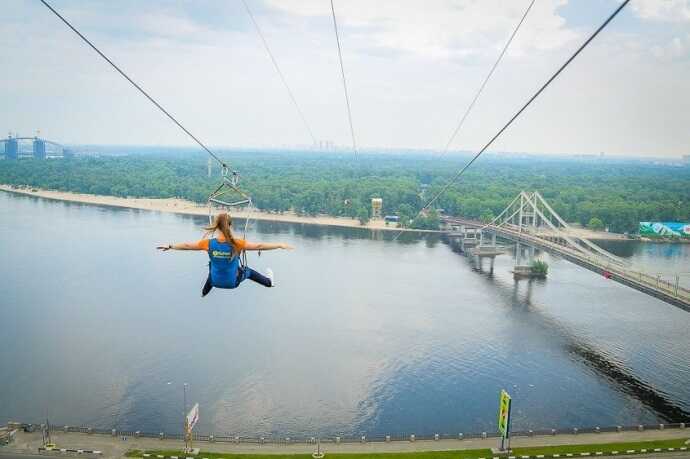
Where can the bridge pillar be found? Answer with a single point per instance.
(523, 270)
(523, 251)
(518, 253)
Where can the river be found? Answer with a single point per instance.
(363, 335)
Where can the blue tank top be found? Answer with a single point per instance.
(224, 266)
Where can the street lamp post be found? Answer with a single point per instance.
(185, 425)
(187, 432)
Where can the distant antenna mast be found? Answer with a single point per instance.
(210, 167)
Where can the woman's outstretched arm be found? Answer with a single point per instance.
(266, 246)
(181, 246)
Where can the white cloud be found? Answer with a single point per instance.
(411, 72)
(663, 10)
(677, 47)
(166, 25)
(442, 29)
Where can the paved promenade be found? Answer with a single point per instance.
(115, 447)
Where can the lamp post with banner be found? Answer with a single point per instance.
(190, 421)
(504, 418)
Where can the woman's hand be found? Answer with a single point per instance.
(164, 248)
(267, 246)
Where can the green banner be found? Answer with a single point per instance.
(665, 230)
(504, 414)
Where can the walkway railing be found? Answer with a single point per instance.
(652, 282)
(657, 286)
(288, 440)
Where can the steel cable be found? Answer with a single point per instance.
(486, 80)
(139, 88)
(342, 72)
(522, 109)
(280, 73)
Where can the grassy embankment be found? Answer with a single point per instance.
(607, 449)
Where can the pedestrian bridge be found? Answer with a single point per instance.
(530, 222)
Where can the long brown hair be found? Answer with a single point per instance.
(222, 222)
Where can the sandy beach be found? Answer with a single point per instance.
(181, 206)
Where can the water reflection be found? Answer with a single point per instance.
(613, 371)
(365, 335)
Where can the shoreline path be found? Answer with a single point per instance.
(115, 447)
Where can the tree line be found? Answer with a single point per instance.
(614, 194)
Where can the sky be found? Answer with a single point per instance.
(412, 68)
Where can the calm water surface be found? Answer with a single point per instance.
(363, 335)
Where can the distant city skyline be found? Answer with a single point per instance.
(411, 72)
(25, 150)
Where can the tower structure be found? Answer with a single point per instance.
(376, 206)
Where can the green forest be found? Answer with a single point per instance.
(595, 193)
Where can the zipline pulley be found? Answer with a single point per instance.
(229, 196)
(228, 190)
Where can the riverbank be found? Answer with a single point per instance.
(523, 452)
(181, 206)
(534, 452)
(568, 445)
(587, 233)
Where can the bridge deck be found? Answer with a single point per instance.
(653, 286)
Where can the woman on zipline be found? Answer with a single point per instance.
(224, 252)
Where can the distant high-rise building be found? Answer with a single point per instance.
(11, 148)
(686, 160)
(39, 148)
(324, 145)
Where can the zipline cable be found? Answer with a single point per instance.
(342, 72)
(172, 118)
(280, 73)
(486, 80)
(524, 107)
